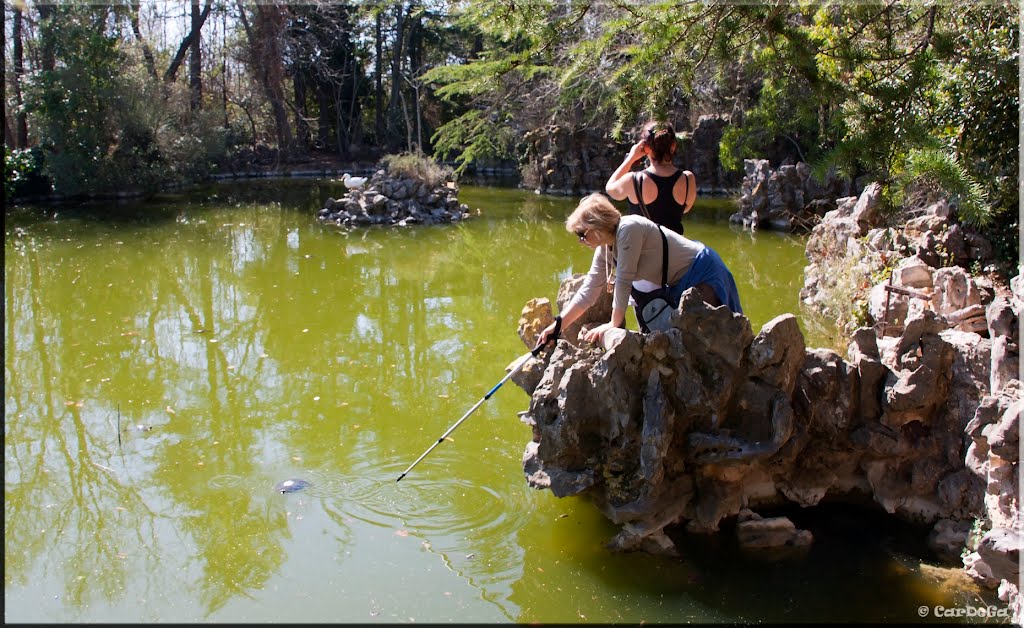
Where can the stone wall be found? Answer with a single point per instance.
(787, 198)
(559, 160)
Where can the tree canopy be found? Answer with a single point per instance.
(897, 91)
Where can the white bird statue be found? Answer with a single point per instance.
(353, 182)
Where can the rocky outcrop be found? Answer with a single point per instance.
(565, 161)
(993, 553)
(691, 426)
(698, 152)
(681, 430)
(786, 199)
(394, 200)
(898, 272)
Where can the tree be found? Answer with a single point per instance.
(102, 121)
(190, 42)
(137, 32)
(327, 68)
(265, 62)
(861, 88)
(76, 103)
(524, 77)
(20, 139)
(195, 63)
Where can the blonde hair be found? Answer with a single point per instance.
(595, 212)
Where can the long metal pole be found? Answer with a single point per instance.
(536, 350)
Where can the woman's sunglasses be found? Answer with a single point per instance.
(582, 235)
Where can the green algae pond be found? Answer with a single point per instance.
(169, 362)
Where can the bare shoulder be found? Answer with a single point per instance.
(685, 189)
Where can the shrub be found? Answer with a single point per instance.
(23, 173)
(929, 174)
(419, 167)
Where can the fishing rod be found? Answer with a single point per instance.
(533, 354)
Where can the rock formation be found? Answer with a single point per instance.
(785, 199)
(395, 200)
(685, 428)
(560, 160)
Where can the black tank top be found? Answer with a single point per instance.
(664, 210)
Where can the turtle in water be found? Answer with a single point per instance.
(291, 486)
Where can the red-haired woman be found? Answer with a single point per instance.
(667, 191)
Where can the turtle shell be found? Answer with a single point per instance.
(291, 485)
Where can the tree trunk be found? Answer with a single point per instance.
(47, 60)
(378, 100)
(172, 69)
(20, 119)
(224, 69)
(415, 62)
(146, 52)
(396, 72)
(302, 132)
(265, 53)
(195, 62)
(323, 127)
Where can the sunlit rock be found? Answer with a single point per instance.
(686, 428)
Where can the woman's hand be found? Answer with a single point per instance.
(620, 183)
(545, 334)
(596, 335)
(637, 152)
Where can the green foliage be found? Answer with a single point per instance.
(844, 287)
(74, 104)
(419, 167)
(979, 111)
(934, 173)
(538, 68)
(103, 123)
(23, 173)
(473, 137)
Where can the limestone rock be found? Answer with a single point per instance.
(757, 533)
(1000, 550)
(947, 539)
(396, 201)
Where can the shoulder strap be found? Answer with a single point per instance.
(640, 195)
(664, 257)
(686, 179)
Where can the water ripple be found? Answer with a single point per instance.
(368, 492)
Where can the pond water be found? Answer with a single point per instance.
(168, 364)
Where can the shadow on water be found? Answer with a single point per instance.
(864, 565)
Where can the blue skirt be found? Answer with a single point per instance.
(709, 268)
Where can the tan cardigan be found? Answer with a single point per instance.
(636, 254)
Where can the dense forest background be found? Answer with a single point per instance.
(134, 94)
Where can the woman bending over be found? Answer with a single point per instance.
(629, 248)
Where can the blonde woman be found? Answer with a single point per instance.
(629, 248)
